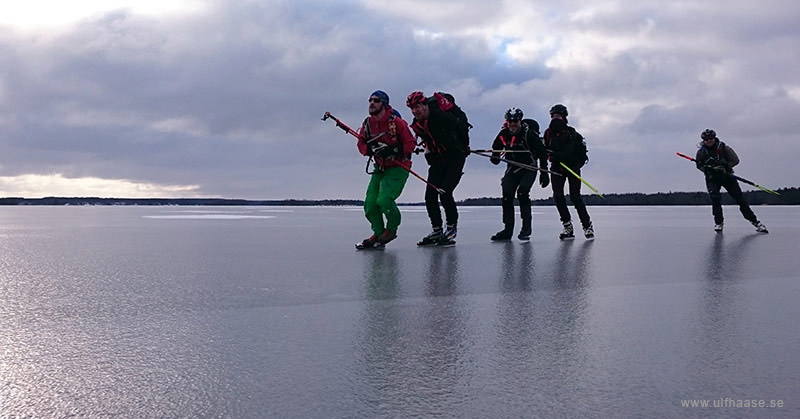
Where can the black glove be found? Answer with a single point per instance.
(385, 152)
(375, 148)
(495, 159)
(715, 170)
(544, 180)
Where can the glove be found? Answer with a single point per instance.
(544, 180)
(495, 160)
(386, 152)
(714, 170)
(375, 148)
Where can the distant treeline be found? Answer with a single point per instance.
(175, 201)
(788, 196)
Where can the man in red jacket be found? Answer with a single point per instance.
(446, 154)
(384, 136)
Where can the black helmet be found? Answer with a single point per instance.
(708, 134)
(560, 110)
(514, 114)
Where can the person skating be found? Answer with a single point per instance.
(716, 160)
(521, 138)
(565, 145)
(446, 151)
(384, 136)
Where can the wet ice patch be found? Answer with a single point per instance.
(207, 216)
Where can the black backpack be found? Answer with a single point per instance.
(583, 152)
(532, 124)
(446, 102)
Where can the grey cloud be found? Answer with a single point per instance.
(232, 100)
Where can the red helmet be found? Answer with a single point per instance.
(414, 98)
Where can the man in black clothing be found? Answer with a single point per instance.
(518, 142)
(716, 159)
(566, 145)
(446, 154)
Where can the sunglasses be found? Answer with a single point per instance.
(512, 121)
(374, 100)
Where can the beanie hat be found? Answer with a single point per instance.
(380, 94)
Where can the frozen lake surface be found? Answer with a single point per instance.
(269, 312)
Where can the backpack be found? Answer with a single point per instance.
(447, 103)
(583, 152)
(532, 124)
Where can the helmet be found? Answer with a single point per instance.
(559, 109)
(414, 98)
(514, 113)
(708, 134)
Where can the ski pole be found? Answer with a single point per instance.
(499, 151)
(513, 163)
(582, 180)
(735, 177)
(339, 124)
(350, 131)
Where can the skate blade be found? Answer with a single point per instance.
(360, 246)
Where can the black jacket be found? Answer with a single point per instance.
(566, 146)
(527, 138)
(439, 134)
(720, 155)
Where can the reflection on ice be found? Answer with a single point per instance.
(207, 217)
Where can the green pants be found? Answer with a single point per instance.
(385, 186)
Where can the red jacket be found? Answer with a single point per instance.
(391, 130)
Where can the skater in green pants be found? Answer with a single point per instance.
(384, 136)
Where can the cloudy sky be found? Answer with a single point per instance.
(218, 98)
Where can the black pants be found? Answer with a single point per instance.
(574, 196)
(714, 184)
(445, 173)
(517, 181)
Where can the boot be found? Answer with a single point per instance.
(588, 231)
(503, 235)
(568, 233)
(450, 233)
(760, 227)
(370, 242)
(387, 236)
(431, 239)
(718, 227)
